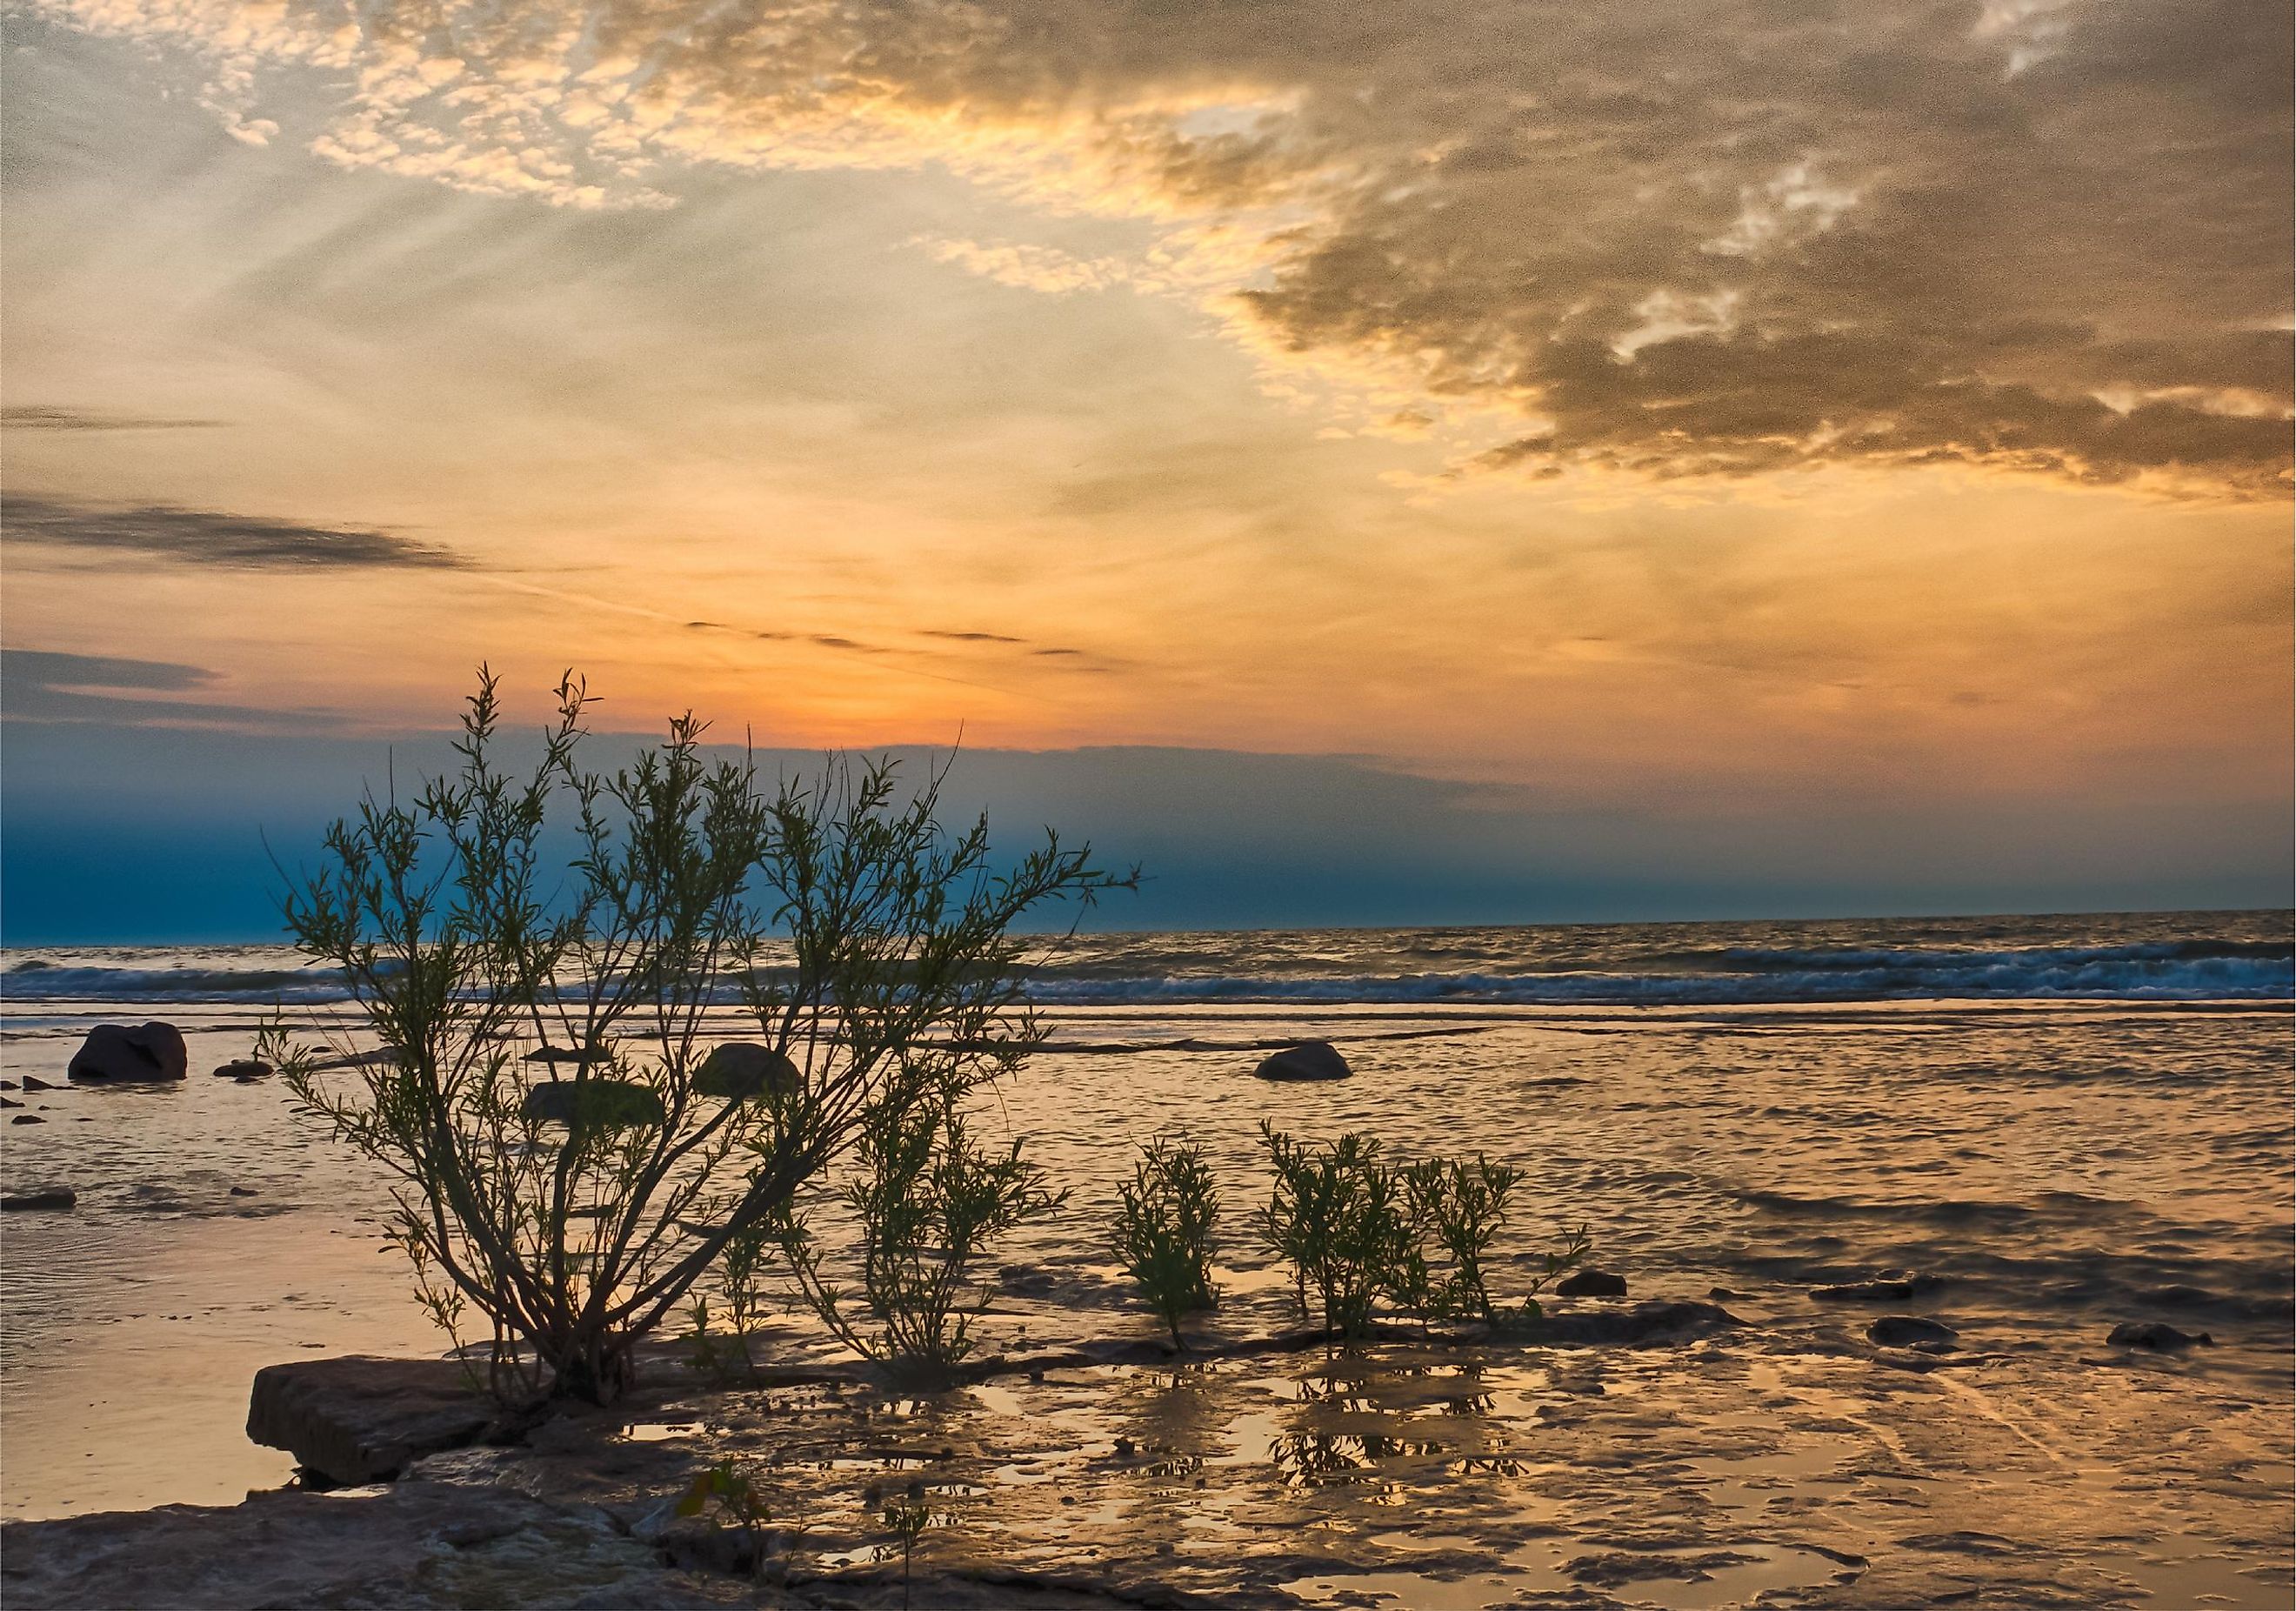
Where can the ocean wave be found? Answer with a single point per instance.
(40, 981)
(1308, 970)
(1901, 977)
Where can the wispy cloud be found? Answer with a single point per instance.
(39, 417)
(210, 537)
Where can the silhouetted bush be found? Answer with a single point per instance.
(872, 951)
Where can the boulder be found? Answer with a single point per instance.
(358, 1419)
(10, 1085)
(1910, 1331)
(740, 1070)
(10, 1102)
(2156, 1336)
(245, 1068)
(40, 1196)
(1309, 1060)
(593, 1103)
(28, 1119)
(34, 1082)
(114, 1053)
(1591, 1284)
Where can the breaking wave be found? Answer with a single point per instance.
(2250, 958)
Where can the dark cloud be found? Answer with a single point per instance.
(47, 685)
(1716, 238)
(39, 418)
(974, 637)
(206, 537)
(52, 669)
(1682, 237)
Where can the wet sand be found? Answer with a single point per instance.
(2058, 1169)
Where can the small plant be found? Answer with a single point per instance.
(725, 1493)
(1337, 1214)
(907, 1518)
(1359, 1230)
(1462, 1206)
(929, 1202)
(1163, 1232)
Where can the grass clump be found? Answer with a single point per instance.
(1163, 1232)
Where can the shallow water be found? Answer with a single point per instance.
(2061, 1166)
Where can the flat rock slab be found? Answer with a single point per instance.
(1630, 1327)
(358, 1419)
(412, 1547)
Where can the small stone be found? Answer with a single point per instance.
(10, 1102)
(2156, 1337)
(1910, 1331)
(40, 1197)
(28, 1119)
(1723, 1294)
(244, 1069)
(1124, 1449)
(1591, 1284)
(243, 1191)
(34, 1082)
(10, 1085)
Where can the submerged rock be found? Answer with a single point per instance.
(593, 1104)
(2156, 1336)
(41, 1197)
(1591, 1284)
(1646, 1322)
(1910, 1331)
(1889, 1287)
(358, 1419)
(113, 1053)
(1309, 1060)
(740, 1070)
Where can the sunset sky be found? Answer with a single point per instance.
(1451, 460)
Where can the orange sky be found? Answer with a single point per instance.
(1588, 405)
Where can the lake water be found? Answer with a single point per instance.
(2071, 1121)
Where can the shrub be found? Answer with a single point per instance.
(930, 1203)
(1337, 1214)
(1163, 1230)
(873, 950)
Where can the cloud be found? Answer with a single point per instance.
(973, 637)
(1722, 239)
(39, 417)
(205, 537)
(49, 685)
